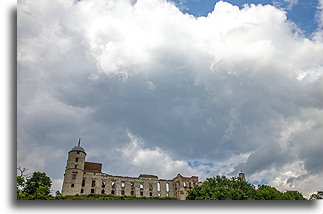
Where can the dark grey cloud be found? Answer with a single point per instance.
(234, 90)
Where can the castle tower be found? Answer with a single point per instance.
(242, 175)
(74, 171)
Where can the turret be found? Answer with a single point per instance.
(74, 171)
(242, 175)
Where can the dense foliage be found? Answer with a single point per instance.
(223, 188)
(36, 187)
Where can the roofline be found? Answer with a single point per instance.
(77, 151)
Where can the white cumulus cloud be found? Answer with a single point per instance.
(237, 89)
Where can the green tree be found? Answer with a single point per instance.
(36, 187)
(20, 182)
(292, 195)
(265, 192)
(222, 188)
(39, 181)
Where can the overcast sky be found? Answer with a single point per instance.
(161, 87)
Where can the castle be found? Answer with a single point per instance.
(84, 178)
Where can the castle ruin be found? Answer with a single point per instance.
(84, 178)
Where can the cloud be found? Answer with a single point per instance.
(291, 3)
(138, 81)
(150, 160)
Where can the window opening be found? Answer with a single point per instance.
(73, 176)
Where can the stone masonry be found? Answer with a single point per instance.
(84, 178)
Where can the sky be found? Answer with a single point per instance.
(199, 88)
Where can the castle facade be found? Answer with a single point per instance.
(84, 178)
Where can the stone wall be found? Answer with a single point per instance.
(81, 180)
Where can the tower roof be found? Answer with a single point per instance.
(78, 147)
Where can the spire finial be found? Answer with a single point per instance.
(79, 142)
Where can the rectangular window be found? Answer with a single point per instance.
(141, 193)
(150, 194)
(82, 190)
(150, 187)
(122, 192)
(132, 192)
(92, 190)
(122, 185)
(112, 192)
(167, 187)
(113, 184)
(132, 186)
(73, 176)
(83, 183)
(141, 186)
(72, 185)
(104, 184)
(76, 159)
(93, 183)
